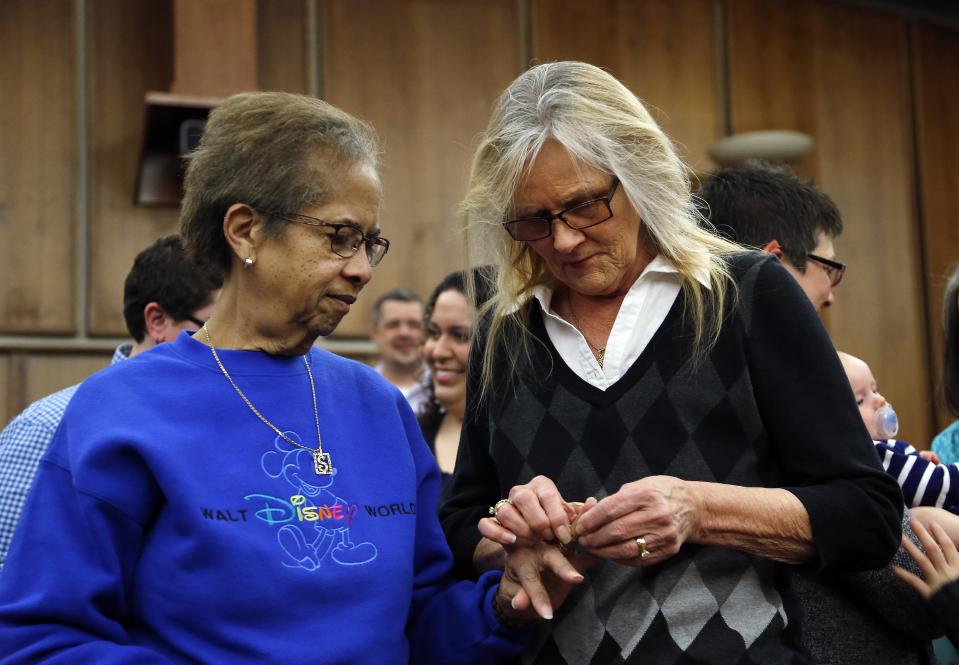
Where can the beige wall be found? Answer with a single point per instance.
(875, 89)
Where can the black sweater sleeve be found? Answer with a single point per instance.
(814, 427)
(944, 604)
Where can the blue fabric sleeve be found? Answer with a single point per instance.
(449, 622)
(63, 594)
(946, 444)
(923, 483)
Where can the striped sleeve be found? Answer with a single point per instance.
(923, 483)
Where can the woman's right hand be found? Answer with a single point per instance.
(534, 512)
(537, 578)
(660, 512)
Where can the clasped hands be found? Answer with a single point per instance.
(550, 542)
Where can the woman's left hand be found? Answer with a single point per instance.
(655, 515)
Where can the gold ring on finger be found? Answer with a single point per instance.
(643, 550)
(496, 506)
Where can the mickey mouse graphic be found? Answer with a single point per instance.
(309, 550)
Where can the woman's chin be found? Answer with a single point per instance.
(447, 395)
(323, 324)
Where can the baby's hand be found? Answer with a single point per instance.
(929, 456)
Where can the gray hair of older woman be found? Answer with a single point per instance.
(603, 125)
(274, 151)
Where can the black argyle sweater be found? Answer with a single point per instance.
(769, 406)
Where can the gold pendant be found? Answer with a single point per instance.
(322, 463)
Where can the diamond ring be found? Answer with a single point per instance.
(643, 550)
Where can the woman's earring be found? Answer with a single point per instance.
(248, 263)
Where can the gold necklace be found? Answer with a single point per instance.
(322, 464)
(600, 353)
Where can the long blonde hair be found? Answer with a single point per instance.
(601, 124)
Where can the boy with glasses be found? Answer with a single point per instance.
(770, 208)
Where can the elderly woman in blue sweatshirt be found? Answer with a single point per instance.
(238, 496)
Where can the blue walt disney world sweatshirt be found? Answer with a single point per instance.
(169, 524)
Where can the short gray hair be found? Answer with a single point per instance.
(274, 151)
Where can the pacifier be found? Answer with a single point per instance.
(886, 422)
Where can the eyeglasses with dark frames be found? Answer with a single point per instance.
(194, 320)
(580, 216)
(834, 269)
(345, 240)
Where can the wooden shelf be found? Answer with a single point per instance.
(161, 167)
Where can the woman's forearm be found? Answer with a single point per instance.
(766, 522)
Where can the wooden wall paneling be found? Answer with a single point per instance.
(840, 74)
(426, 75)
(49, 372)
(864, 160)
(663, 50)
(219, 62)
(771, 73)
(131, 53)
(282, 48)
(936, 61)
(37, 173)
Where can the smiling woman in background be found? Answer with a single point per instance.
(450, 317)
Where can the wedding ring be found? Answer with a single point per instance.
(496, 506)
(495, 521)
(643, 551)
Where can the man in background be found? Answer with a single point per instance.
(771, 209)
(866, 618)
(398, 335)
(164, 294)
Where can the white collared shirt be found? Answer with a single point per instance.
(642, 312)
